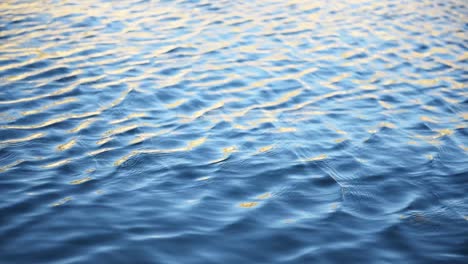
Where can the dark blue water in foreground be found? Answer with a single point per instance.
(233, 131)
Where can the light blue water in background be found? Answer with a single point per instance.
(233, 131)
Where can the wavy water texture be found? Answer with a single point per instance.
(195, 131)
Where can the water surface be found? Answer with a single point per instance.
(233, 131)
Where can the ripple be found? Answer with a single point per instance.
(233, 131)
(25, 139)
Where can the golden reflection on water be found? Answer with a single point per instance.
(130, 116)
(264, 196)
(444, 132)
(80, 181)
(11, 165)
(51, 105)
(145, 136)
(99, 151)
(56, 164)
(24, 139)
(204, 178)
(265, 148)
(104, 140)
(195, 143)
(340, 140)
(287, 129)
(248, 204)
(67, 145)
(176, 103)
(83, 125)
(62, 201)
(317, 158)
(120, 130)
(190, 146)
(230, 149)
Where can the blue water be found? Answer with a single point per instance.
(233, 131)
